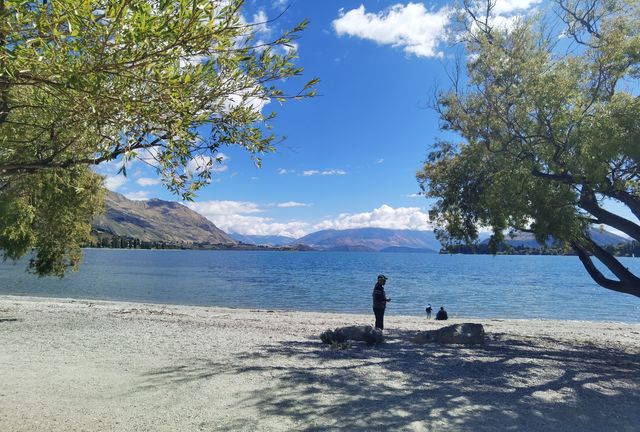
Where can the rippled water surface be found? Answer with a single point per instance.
(467, 285)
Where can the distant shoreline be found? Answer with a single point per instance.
(390, 313)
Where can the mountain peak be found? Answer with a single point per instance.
(373, 239)
(157, 220)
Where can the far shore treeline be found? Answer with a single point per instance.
(110, 241)
(625, 249)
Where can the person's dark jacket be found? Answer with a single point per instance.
(379, 297)
(442, 315)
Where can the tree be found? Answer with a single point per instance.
(551, 132)
(84, 82)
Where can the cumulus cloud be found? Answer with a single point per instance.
(309, 173)
(260, 23)
(239, 216)
(289, 204)
(212, 209)
(415, 29)
(383, 217)
(146, 181)
(244, 217)
(114, 182)
(506, 13)
(505, 7)
(266, 226)
(411, 27)
(150, 156)
(249, 98)
(137, 196)
(202, 163)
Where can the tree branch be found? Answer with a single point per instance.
(589, 203)
(623, 286)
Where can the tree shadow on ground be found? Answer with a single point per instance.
(506, 384)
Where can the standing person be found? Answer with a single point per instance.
(442, 314)
(380, 301)
(428, 311)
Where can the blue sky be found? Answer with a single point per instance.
(351, 154)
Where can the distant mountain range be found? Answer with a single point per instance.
(371, 239)
(263, 240)
(173, 223)
(157, 220)
(527, 240)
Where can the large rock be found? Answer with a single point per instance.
(466, 333)
(340, 335)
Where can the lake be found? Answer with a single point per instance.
(554, 287)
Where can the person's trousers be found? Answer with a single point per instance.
(379, 313)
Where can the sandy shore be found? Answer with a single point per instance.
(107, 366)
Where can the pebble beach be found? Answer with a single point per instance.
(73, 365)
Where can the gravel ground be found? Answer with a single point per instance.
(70, 365)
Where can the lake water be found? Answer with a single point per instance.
(467, 285)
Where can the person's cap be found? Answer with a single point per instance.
(382, 277)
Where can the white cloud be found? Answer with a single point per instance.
(411, 27)
(309, 173)
(266, 226)
(213, 209)
(505, 7)
(243, 217)
(202, 163)
(113, 182)
(291, 46)
(282, 171)
(506, 13)
(289, 204)
(192, 60)
(260, 23)
(236, 216)
(108, 168)
(248, 98)
(138, 196)
(146, 181)
(150, 156)
(379, 161)
(383, 217)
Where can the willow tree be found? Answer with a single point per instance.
(550, 128)
(84, 82)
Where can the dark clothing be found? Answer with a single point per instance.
(379, 297)
(442, 315)
(379, 313)
(379, 304)
(428, 310)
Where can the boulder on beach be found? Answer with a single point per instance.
(340, 335)
(466, 333)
